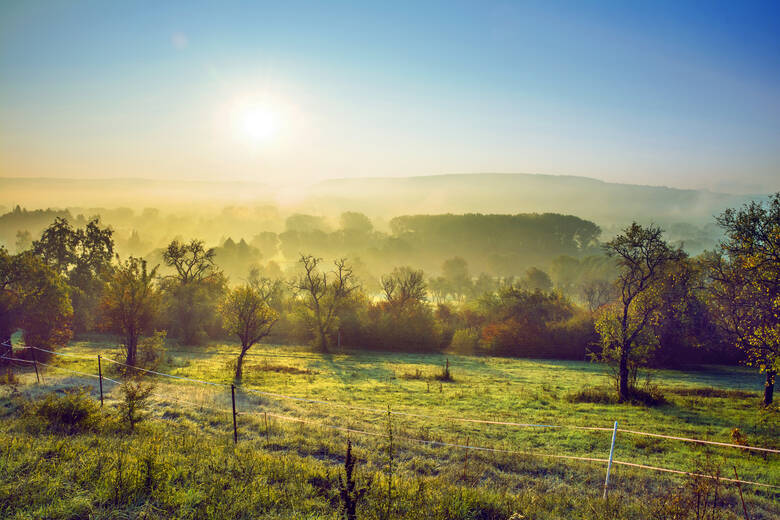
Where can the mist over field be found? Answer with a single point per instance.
(473, 260)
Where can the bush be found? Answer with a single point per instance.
(71, 412)
(649, 395)
(7, 377)
(465, 341)
(151, 350)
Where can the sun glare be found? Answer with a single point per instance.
(257, 123)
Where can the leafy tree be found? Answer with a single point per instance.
(357, 222)
(267, 243)
(520, 322)
(246, 312)
(323, 294)
(83, 256)
(625, 328)
(23, 241)
(193, 292)
(33, 297)
(131, 302)
(456, 272)
(57, 245)
(537, 280)
(745, 288)
(237, 258)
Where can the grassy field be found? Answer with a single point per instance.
(289, 450)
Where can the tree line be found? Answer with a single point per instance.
(651, 304)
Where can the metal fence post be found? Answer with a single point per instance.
(609, 464)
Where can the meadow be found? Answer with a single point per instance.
(296, 409)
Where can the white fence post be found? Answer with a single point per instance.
(609, 464)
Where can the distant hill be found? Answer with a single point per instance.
(602, 202)
(138, 193)
(599, 201)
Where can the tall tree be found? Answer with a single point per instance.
(745, 286)
(323, 294)
(643, 257)
(194, 290)
(131, 302)
(247, 313)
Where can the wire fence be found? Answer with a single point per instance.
(389, 412)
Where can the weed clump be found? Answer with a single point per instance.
(69, 413)
(349, 493)
(446, 375)
(414, 376)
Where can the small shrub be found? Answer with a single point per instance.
(737, 437)
(598, 395)
(135, 397)
(649, 395)
(150, 354)
(8, 377)
(72, 412)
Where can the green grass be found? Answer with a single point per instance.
(706, 404)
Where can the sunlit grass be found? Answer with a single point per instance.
(524, 391)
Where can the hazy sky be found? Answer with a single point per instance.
(675, 93)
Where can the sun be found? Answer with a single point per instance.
(257, 123)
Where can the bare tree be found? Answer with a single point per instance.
(597, 293)
(323, 293)
(404, 286)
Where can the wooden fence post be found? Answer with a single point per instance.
(235, 426)
(100, 378)
(35, 365)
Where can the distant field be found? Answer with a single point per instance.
(704, 404)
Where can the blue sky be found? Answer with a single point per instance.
(675, 93)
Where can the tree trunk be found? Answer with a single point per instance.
(132, 347)
(623, 375)
(769, 387)
(323, 340)
(240, 364)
